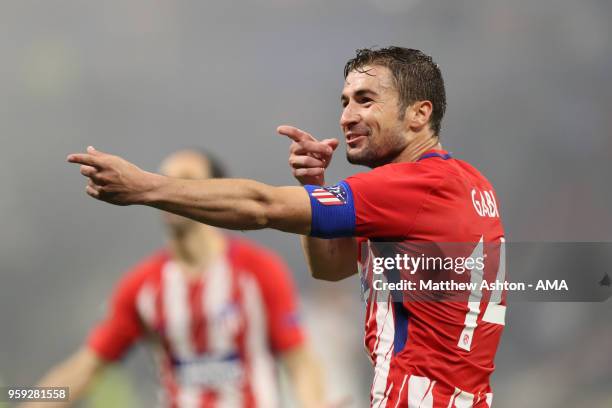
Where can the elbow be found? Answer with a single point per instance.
(332, 272)
(328, 276)
(278, 208)
(277, 216)
(261, 211)
(324, 278)
(253, 214)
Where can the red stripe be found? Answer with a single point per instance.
(198, 320)
(208, 399)
(166, 369)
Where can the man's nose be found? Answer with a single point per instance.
(349, 116)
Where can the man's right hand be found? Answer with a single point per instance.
(308, 157)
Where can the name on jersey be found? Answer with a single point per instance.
(484, 203)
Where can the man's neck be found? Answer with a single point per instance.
(195, 249)
(417, 146)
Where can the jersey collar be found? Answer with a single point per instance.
(442, 154)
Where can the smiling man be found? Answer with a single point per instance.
(425, 354)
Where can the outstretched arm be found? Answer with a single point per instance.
(227, 203)
(76, 373)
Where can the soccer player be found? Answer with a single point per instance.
(218, 309)
(425, 354)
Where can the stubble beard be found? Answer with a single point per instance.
(378, 154)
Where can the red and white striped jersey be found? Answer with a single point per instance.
(216, 336)
(426, 354)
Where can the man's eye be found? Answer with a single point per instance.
(366, 101)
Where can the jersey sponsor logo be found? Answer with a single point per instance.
(209, 370)
(334, 195)
(484, 203)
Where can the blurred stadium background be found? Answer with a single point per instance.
(530, 104)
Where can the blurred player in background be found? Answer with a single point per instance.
(218, 310)
(425, 354)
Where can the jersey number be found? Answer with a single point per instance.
(495, 312)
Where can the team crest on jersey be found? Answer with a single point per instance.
(227, 319)
(333, 195)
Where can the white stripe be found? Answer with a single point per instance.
(495, 313)
(471, 317)
(262, 374)
(177, 320)
(329, 200)
(145, 303)
(420, 392)
(462, 399)
(322, 194)
(490, 399)
(216, 300)
(496, 295)
(177, 313)
(383, 349)
(428, 400)
(188, 397)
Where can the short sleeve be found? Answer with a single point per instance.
(388, 199)
(122, 327)
(280, 299)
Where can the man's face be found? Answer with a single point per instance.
(185, 165)
(370, 117)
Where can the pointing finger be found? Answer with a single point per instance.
(295, 134)
(84, 158)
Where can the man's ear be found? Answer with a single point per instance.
(418, 114)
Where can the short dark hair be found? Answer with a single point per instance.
(416, 77)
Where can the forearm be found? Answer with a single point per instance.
(330, 259)
(76, 373)
(306, 377)
(231, 203)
